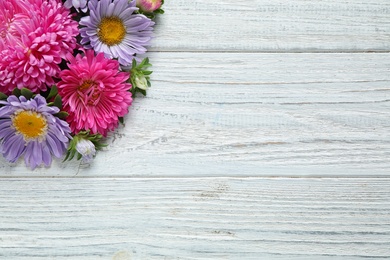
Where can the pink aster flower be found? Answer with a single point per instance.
(94, 93)
(34, 38)
(149, 6)
(12, 13)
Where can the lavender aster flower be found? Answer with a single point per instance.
(114, 29)
(77, 4)
(29, 127)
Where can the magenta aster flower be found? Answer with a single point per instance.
(114, 29)
(94, 93)
(29, 127)
(35, 35)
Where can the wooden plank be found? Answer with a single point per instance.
(274, 25)
(190, 218)
(230, 114)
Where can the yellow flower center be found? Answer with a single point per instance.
(89, 92)
(111, 30)
(30, 124)
(86, 85)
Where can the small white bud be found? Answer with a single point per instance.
(141, 82)
(87, 149)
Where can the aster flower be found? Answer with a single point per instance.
(77, 4)
(114, 29)
(29, 128)
(35, 36)
(149, 6)
(94, 93)
(12, 13)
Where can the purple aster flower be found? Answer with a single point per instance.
(29, 127)
(77, 4)
(114, 29)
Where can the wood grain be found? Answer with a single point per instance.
(209, 218)
(274, 25)
(241, 89)
(230, 114)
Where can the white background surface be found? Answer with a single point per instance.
(265, 135)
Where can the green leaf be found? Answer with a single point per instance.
(16, 92)
(72, 153)
(62, 114)
(143, 91)
(99, 145)
(150, 15)
(69, 155)
(3, 96)
(58, 101)
(159, 11)
(53, 92)
(121, 120)
(26, 93)
(66, 157)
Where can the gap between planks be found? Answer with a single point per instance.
(212, 178)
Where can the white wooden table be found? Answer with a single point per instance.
(266, 135)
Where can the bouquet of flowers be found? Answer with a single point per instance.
(68, 74)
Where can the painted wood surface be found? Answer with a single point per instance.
(242, 90)
(230, 114)
(207, 218)
(275, 25)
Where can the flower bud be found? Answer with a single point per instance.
(86, 148)
(141, 82)
(148, 6)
